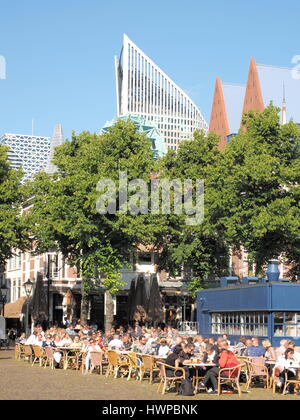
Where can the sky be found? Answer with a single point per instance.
(59, 54)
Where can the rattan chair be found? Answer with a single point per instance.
(97, 360)
(149, 366)
(134, 365)
(39, 355)
(49, 357)
(291, 381)
(229, 376)
(257, 369)
(115, 363)
(19, 351)
(165, 380)
(28, 353)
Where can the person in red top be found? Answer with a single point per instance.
(227, 359)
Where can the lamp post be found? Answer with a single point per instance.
(3, 296)
(28, 286)
(184, 299)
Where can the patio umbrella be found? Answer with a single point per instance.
(131, 296)
(139, 304)
(155, 305)
(38, 306)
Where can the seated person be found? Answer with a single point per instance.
(227, 359)
(270, 352)
(212, 342)
(127, 342)
(173, 359)
(241, 347)
(115, 343)
(256, 350)
(284, 366)
(163, 349)
(21, 339)
(76, 342)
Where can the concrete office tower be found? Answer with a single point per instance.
(56, 140)
(143, 89)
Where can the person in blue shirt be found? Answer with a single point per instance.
(256, 350)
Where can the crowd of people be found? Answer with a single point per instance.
(174, 349)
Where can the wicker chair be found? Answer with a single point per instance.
(115, 363)
(232, 377)
(291, 381)
(169, 380)
(19, 351)
(39, 355)
(149, 365)
(28, 353)
(49, 357)
(97, 360)
(134, 366)
(257, 369)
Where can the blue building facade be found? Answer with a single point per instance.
(265, 310)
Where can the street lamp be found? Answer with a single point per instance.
(28, 286)
(3, 296)
(184, 299)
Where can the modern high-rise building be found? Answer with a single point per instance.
(32, 153)
(57, 140)
(29, 152)
(143, 89)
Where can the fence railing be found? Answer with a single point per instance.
(188, 326)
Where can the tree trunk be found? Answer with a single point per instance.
(84, 304)
(109, 310)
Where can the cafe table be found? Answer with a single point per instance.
(65, 351)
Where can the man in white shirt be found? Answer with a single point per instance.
(115, 343)
(32, 339)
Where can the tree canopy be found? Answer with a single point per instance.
(13, 234)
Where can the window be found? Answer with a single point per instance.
(144, 258)
(240, 323)
(287, 324)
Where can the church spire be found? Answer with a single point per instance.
(283, 111)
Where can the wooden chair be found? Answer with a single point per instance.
(49, 357)
(148, 366)
(134, 365)
(39, 355)
(97, 360)
(19, 351)
(28, 353)
(291, 381)
(169, 380)
(257, 369)
(230, 376)
(115, 363)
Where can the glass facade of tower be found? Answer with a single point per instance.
(31, 153)
(144, 89)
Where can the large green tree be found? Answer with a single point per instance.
(256, 189)
(12, 231)
(197, 248)
(64, 214)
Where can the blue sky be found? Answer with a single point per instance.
(60, 54)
